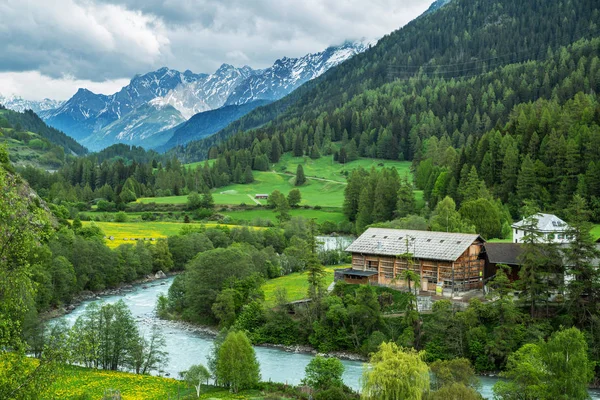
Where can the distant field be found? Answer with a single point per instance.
(333, 215)
(140, 230)
(326, 168)
(324, 194)
(296, 285)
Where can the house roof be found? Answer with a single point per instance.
(358, 272)
(421, 244)
(508, 253)
(546, 223)
(503, 253)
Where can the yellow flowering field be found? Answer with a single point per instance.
(85, 383)
(142, 229)
(77, 382)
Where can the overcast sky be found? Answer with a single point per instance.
(49, 48)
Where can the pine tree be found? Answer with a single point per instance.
(406, 204)
(300, 178)
(526, 182)
(582, 277)
(248, 177)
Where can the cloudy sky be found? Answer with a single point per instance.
(49, 48)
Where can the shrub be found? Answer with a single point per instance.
(121, 217)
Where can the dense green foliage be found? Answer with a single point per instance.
(23, 226)
(107, 337)
(556, 369)
(237, 366)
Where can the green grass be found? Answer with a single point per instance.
(326, 168)
(314, 193)
(596, 232)
(296, 285)
(333, 214)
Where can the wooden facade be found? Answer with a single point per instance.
(463, 273)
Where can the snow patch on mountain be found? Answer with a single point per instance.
(17, 103)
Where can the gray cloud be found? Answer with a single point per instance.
(102, 40)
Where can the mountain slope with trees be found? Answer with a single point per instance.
(455, 74)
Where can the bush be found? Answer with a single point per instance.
(334, 393)
(121, 217)
(104, 205)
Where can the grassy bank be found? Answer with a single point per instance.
(295, 285)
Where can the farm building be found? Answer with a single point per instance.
(549, 227)
(261, 196)
(451, 260)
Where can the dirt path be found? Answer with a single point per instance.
(310, 177)
(254, 200)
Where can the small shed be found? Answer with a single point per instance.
(356, 276)
(261, 196)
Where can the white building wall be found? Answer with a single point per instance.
(550, 237)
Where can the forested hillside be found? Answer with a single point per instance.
(29, 121)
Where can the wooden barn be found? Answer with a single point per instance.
(449, 260)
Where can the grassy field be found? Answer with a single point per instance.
(324, 194)
(326, 168)
(333, 215)
(140, 230)
(84, 383)
(296, 285)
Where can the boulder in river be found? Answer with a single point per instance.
(160, 275)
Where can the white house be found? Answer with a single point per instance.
(549, 227)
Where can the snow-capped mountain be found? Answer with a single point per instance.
(86, 112)
(19, 104)
(288, 74)
(101, 120)
(208, 93)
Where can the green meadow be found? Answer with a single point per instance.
(314, 192)
(295, 285)
(327, 214)
(326, 168)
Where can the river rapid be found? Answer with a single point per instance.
(186, 346)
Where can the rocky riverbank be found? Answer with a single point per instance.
(342, 355)
(122, 289)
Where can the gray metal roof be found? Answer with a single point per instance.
(546, 223)
(358, 272)
(421, 244)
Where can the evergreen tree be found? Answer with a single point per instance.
(582, 276)
(300, 178)
(406, 204)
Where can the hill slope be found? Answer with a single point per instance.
(31, 142)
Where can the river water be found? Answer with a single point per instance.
(186, 348)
